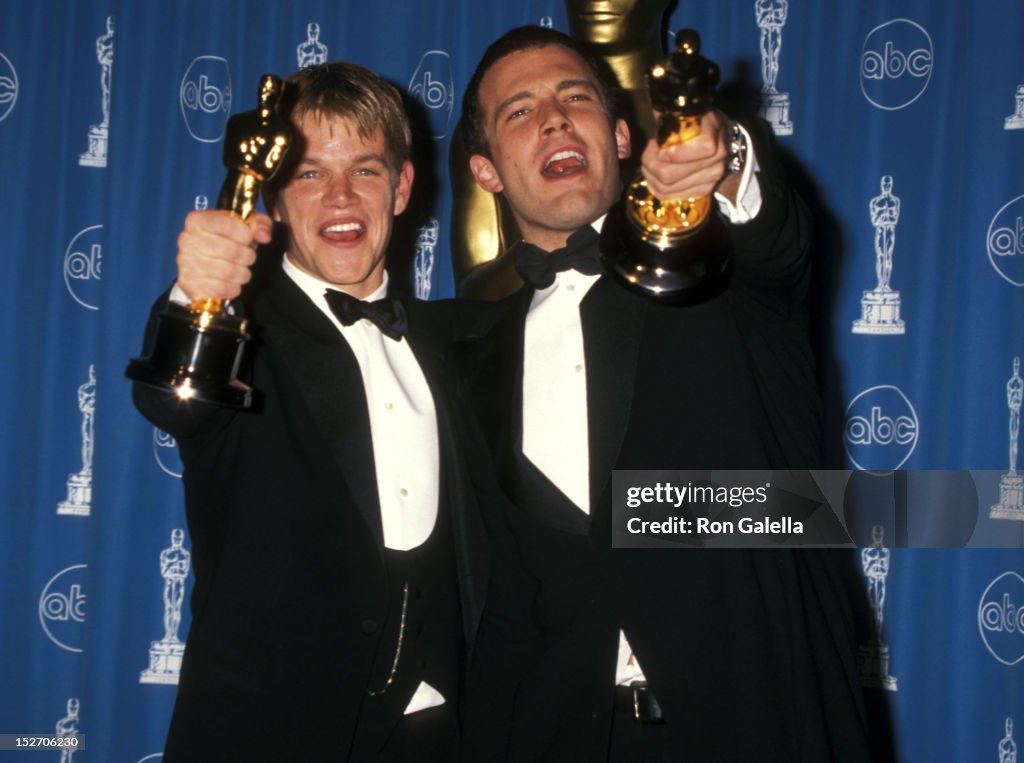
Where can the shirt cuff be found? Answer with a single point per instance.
(748, 198)
(178, 295)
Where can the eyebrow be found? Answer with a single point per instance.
(565, 84)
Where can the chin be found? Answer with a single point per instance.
(580, 216)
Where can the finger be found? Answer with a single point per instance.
(706, 146)
(671, 173)
(211, 278)
(200, 246)
(215, 222)
(222, 280)
(261, 227)
(676, 181)
(213, 265)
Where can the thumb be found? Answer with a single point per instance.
(262, 228)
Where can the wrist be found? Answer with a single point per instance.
(737, 142)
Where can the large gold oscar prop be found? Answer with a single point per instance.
(198, 349)
(672, 250)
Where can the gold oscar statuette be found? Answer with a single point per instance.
(198, 349)
(671, 250)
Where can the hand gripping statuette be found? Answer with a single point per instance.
(671, 250)
(198, 349)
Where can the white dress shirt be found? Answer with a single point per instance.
(403, 430)
(403, 422)
(555, 429)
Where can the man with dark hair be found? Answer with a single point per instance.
(592, 653)
(338, 553)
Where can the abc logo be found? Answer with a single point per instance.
(62, 608)
(8, 87)
(432, 86)
(1006, 241)
(206, 98)
(83, 263)
(1001, 618)
(881, 429)
(165, 450)
(896, 64)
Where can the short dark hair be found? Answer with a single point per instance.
(513, 41)
(353, 92)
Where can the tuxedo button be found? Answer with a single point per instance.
(369, 626)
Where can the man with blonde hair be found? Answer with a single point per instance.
(335, 535)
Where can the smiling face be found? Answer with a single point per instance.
(339, 203)
(553, 151)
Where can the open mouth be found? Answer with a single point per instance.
(344, 233)
(564, 163)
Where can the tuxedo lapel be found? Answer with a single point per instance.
(326, 375)
(613, 321)
(456, 480)
(490, 362)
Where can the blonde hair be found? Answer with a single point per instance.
(353, 92)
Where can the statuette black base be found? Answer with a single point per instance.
(196, 356)
(678, 270)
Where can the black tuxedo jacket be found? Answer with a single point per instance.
(291, 596)
(750, 653)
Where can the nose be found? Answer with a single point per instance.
(338, 191)
(554, 117)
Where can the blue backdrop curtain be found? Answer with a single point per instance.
(111, 120)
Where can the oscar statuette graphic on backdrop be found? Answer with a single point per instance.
(99, 135)
(69, 727)
(880, 307)
(873, 657)
(79, 496)
(1016, 120)
(1011, 485)
(166, 654)
(1007, 745)
(198, 349)
(311, 52)
(771, 18)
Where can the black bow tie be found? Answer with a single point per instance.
(387, 314)
(538, 268)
